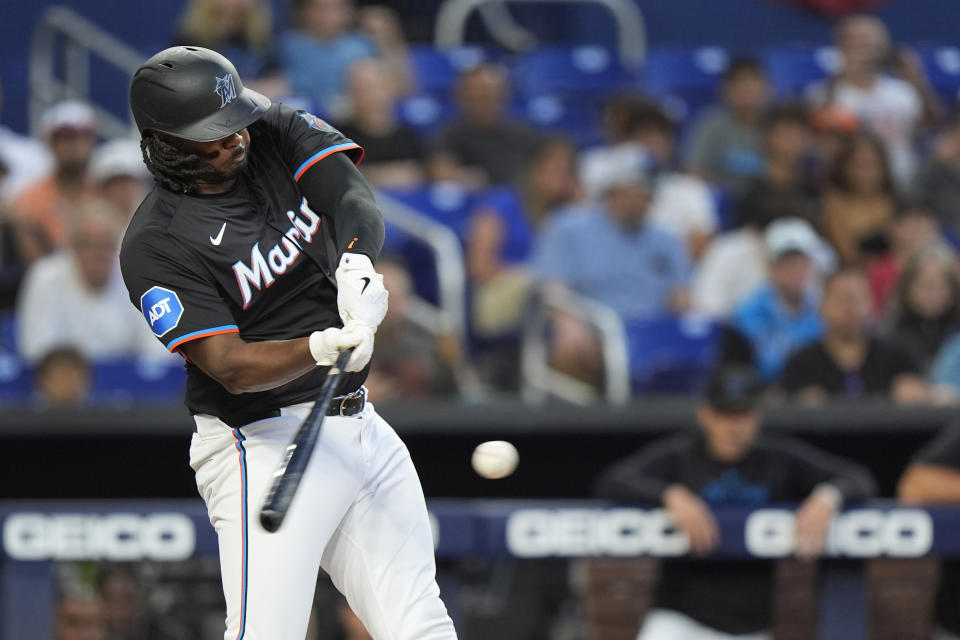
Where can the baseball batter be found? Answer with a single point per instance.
(253, 258)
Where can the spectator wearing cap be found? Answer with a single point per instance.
(848, 361)
(77, 298)
(43, 210)
(783, 314)
(727, 143)
(641, 131)
(483, 146)
(118, 171)
(612, 255)
(727, 461)
(24, 160)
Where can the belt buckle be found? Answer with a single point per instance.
(343, 402)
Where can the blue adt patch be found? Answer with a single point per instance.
(162, 309)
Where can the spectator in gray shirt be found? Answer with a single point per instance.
(726, 145)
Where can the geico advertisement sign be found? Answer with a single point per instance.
(769, 533)
(117, 536)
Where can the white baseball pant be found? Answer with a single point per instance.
(359, 513)
(663, 624)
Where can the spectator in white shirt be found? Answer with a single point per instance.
(76, 297)
(892, 108)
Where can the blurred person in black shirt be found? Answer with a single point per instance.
(783, 190)
(727, 462)
(933, 477)
(483, 146)
(848, 361)
(393, 154)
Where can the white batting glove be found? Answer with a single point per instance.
(326, 345)
(361, 297)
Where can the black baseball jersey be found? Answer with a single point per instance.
(257, 260)
(944, 451)
(731, 596)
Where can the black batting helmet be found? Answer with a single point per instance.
(193, 93)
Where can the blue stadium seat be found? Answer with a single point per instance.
(424, 112)
(578, 119)
(689, 75)
(671, 355)
(436, 70)
(557, 69)
(445, 203)
(16, 382)
(131, 381)
(794, 67)
(943, 68)
(723, 207)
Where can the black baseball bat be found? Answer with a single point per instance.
(287, 477)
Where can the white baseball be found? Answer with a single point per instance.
(495, 459)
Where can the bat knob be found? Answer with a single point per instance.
(270, 520)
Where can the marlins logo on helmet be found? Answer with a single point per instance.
(226, 90)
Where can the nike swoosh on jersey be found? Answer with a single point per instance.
(216, 241)
(366, 283)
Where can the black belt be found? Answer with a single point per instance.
(348, 405)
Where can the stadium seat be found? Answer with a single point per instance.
(794, 67)
(671, 355)
(436, 70)
(16, 382)
(942, 64)
(578, 119)
(584, 68)
(687, 75)
(124, 381)
(424, 112)
(445, 203)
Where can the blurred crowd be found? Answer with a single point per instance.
(815, 234)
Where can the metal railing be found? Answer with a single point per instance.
(452, 21)
(448, 316)
(81, 40)
(540, 379)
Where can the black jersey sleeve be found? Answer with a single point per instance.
(943, 451)
(304, 139)
(646, 474)
(178, 303)
(807, 467)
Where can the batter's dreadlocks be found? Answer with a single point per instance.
(173, 168)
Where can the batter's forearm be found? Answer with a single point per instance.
(244, 367)
(337, 188)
